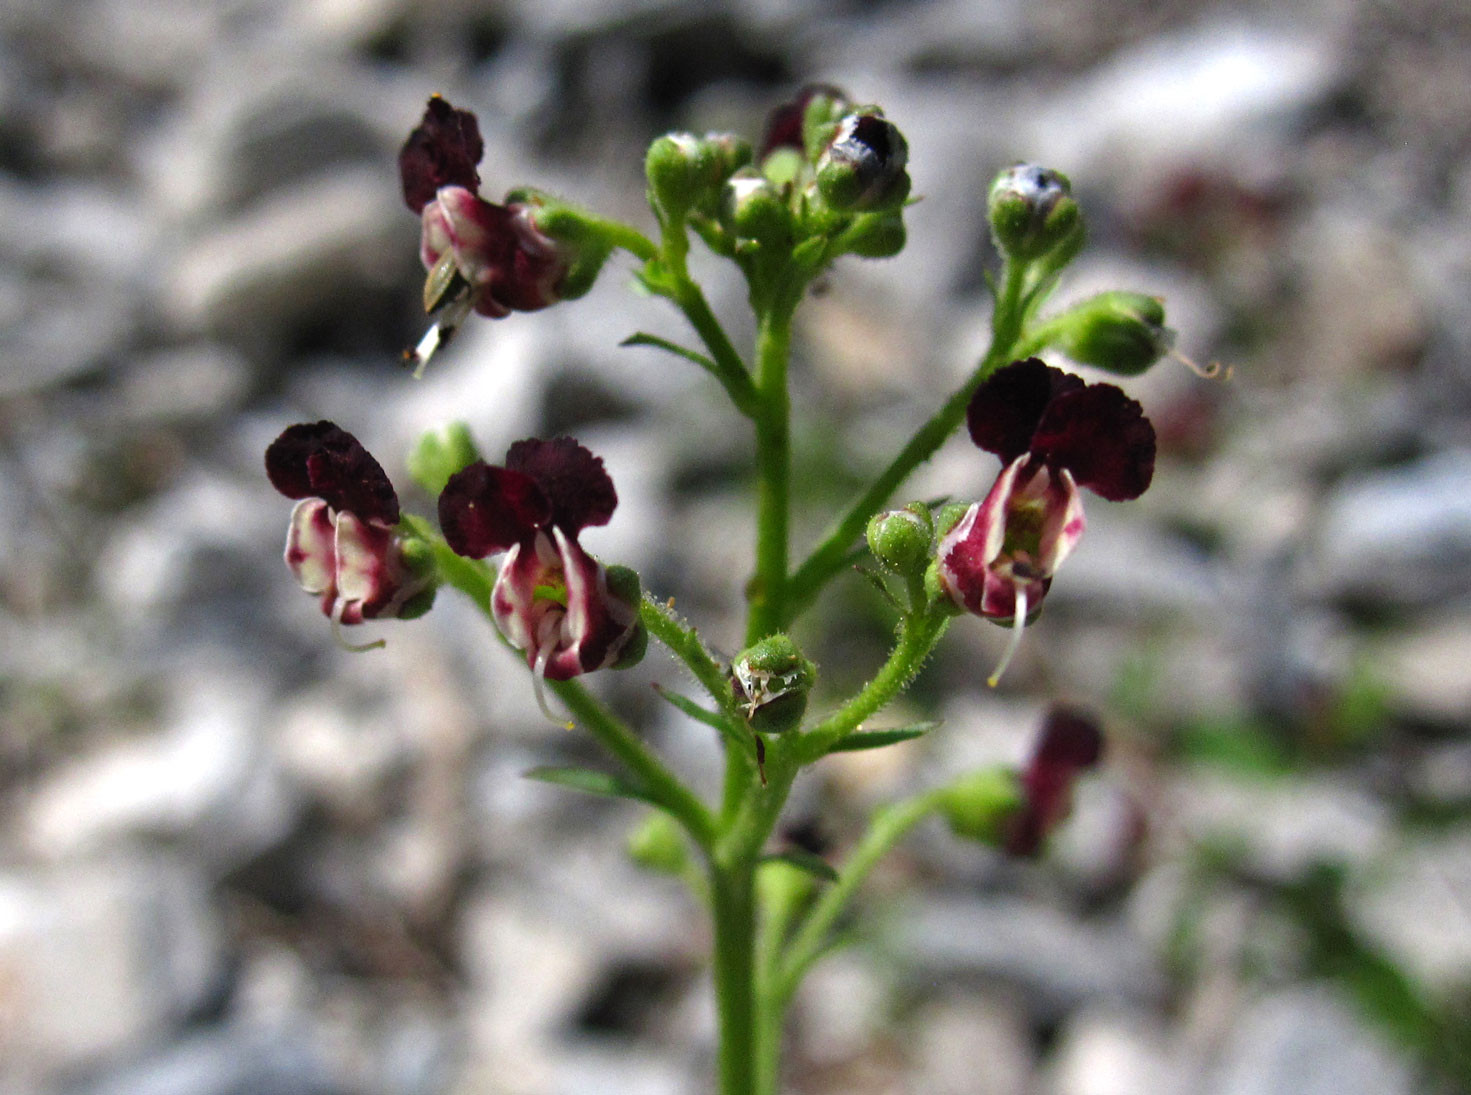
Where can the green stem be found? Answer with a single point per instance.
(890, 825)
(828, 558)
(773, 469)
(733, 900)
(619, 740)
(684, 643)
(917, 637)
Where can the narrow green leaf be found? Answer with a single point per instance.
(643, 338)
(803, 860)
(691, 708)
(590, 782)
(877, 739)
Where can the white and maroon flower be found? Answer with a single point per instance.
(342, 545)
(481, 257)
(1054, 434)
(551, 598)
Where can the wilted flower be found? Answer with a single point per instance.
(1054, 433)
(482, 257)
(1070, 743)
(342, 544)
(551, 598)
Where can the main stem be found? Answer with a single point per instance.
(733, 901)
(773, 470)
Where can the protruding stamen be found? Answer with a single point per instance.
(545, 632)
(438, 336)
(1018, 625)
(1208, 372)
(356, 648)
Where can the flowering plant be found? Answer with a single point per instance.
(829, 178)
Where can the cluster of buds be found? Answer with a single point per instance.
(492, 259)
(825, 168)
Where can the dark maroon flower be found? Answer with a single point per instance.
(341, 545)
(551, 598)
(1054, 434)
(482, 257)
(784, 123)
(1070, 743)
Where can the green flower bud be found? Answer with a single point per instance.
(770, 682)
(686, 173)
(902, 540)
(754, 208)
(876, 235)
(438, 454)
(624, 585)
(948, 517)
(1122, 332)
(1033, 215)
(977, 805)
(658, 845)
(863, 167)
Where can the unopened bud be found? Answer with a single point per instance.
(754, 208)
(978, 806)
(770, 682)
(863, 168)
(902, 540)
(1033, 214)
(658, 845)
(1122, 332)
(439, 453)
(686, 173)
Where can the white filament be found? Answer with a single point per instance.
(544, 634)
(1019, 623)
(355, 648)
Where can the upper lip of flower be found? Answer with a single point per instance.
(443, 150)
(1094, 431)
(321, 460)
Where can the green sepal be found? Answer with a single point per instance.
(591, 782)
(877, 739)
(804, 860)
(1119, 331)
(657, 844)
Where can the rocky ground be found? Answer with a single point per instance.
(235, 859)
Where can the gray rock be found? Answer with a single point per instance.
(1059, 963)
(1399, 537)
(1111, 1052)
(1307, 1042)
(99, 960)
(1428, 669)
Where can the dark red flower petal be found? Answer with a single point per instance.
(1069, 739)
(442, 151)
(484, 509)
(573, 479)
(319, 460)
(784, 123)
(1102, 437)
(1070, 743)
(1005, 410)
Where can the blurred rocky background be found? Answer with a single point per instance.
(236, 860)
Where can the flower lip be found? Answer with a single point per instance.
(442, 151)
(1095, 431)
(320, 460)
(544, 484)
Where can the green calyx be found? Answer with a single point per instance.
(687, 173)
(658, 845)
(977, 805)
(1119, 331)
(863, 167)
(770, 682)
(624, 585)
